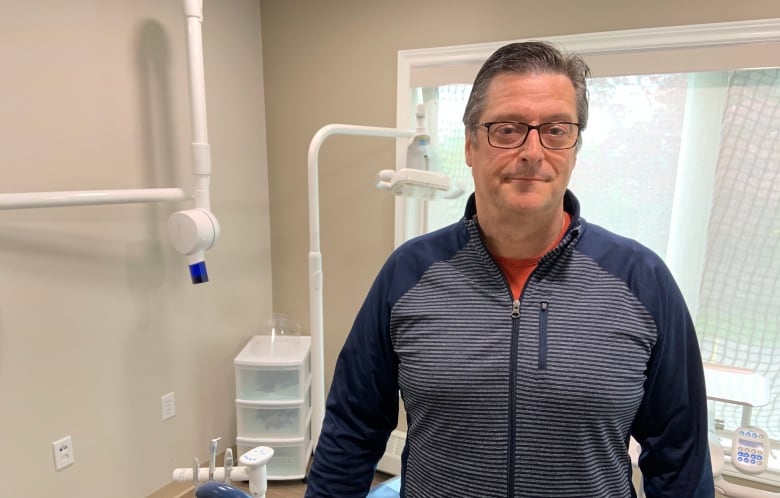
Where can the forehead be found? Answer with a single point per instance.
(531, 96)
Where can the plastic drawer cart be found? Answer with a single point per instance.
(273, 402)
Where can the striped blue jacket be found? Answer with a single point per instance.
(529, 398)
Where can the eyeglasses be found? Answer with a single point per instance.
(511, 134)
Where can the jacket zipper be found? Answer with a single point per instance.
(513, 361)
(543, 335)
(512, 400)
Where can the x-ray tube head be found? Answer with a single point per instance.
(192, 232)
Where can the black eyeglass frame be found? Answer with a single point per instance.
(538, 129)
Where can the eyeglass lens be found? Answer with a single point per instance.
(510, 135)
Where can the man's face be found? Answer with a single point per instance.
(529, 179)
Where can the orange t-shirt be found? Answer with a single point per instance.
(517, 271)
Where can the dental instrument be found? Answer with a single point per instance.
(415, 182)
(252, 469)
(201, 474)
(192, 231)
(195, 471)
(255, 461)
(228, 464)
(213, 457)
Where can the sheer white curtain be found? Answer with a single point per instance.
(738, 319)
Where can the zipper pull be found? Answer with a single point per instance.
(515, 308)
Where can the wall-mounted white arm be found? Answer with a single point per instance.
(89, 197)
(192, 231)
(315, 259)
(201, 151)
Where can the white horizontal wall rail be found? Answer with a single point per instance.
(90, 197)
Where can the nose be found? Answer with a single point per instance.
(532, 150)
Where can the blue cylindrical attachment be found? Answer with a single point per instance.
(198, 272)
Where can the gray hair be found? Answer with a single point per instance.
(533, 57)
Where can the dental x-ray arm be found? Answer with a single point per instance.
(193, 231)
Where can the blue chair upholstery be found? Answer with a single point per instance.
(388, 489)
(214, 489)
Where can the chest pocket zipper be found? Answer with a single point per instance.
(543, 335)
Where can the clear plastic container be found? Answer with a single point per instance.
(274, 369)
(278, 420)
(291, 457)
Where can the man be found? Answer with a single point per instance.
(528, 344)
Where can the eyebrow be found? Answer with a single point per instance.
(551, 118)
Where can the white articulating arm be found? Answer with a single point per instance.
(192, 231)
(315, 259)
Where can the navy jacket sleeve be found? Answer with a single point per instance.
(671, 424)
(362, 406)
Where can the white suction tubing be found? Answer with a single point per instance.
(315, 260)
(237, 474)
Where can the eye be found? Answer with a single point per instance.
(508, 129)
(557, 129)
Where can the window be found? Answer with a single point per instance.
(630, 152)
(688, 163)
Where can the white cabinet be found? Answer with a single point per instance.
(273, 402)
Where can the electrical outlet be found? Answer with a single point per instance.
(168, 405)
(63, 453)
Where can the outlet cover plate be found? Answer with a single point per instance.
(168, 403)
(63, 453)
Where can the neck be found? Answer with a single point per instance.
(523, 236)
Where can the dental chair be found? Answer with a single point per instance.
(728, 488)
(215, 489)
(717, 460)
(388, 489)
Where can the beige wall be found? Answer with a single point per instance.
(335, 61)
(97, 315)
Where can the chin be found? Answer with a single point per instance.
(528, 200)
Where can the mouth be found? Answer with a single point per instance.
(524, 179)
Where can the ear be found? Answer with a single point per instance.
(469, 148)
